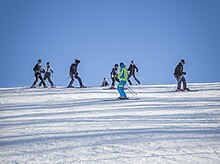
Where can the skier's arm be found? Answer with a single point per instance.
(136, 68)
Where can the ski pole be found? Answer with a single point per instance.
(131, 90)
(141, 77)
(64, 81)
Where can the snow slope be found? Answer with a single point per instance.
(60, 125)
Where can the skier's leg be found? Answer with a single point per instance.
(136, 79)
(121, 89)
(42, 80)
(72, 80)
(49, 79)
(129, 81)
(79, 79)
(36, 79)
(184, 83)
(113, 81)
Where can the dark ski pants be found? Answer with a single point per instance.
(113, 81)
(134, 78)
(72, 76)
(38, 75)
(47, 76)
(179, 82)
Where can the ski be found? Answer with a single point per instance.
(190, 90)
(130, 99)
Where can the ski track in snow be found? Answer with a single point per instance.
(60, 125)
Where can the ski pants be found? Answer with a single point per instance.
(47, 76)
(113, 81)
(38, 75)
(180, 80)
(134, 78)
(76, 77)
(121, 88)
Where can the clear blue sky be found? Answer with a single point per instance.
(154, 33)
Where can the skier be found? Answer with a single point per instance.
(132, 69)
(37, 72)
(123, 78)
(114, 76)
(105, 82)
(47, 74)
(74, 74)
(179, 76)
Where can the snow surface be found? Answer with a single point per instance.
(60, 125)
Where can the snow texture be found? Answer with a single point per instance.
(60, 125)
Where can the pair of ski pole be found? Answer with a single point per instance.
(131, 90)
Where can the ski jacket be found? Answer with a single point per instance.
(114, 72)
(123, 74)
(73, 68)
(132, 69)
(48, 69)
(179, 70)
(37, 68)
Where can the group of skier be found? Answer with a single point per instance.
(119, 73)
(47, 74)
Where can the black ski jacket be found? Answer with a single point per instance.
(179, 70)
(114, 72)
(73, 68)
(132, 69)
(37, 68)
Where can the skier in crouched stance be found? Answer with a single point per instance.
(179, 76)
(123, 78)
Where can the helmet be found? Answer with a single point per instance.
(77, 61)
(116, 65)
(48, 63)
(121, 64)
(182, 61)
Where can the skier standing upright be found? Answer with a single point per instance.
(132, 69)
(123, 78)
(47, 74)
(74, 74)
(179, 76)
(114, 76)
(37, 73)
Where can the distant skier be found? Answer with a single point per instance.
(74, 74)
(37, 72)
(132, 69)
(114, 76)
(105, 82)
(47, 74)
(179, 76)
(123, 78)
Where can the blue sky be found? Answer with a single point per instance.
(154, 33)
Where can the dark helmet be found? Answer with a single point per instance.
(77, 61)
(182, 61)
(48, 63)
(116, 65)
(121, 64)
(39, 61)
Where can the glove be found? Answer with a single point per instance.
(43, 71)
(184, 73)
(51, 71)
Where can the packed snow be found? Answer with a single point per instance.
(73, 125)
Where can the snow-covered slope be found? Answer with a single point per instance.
(61, 125)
